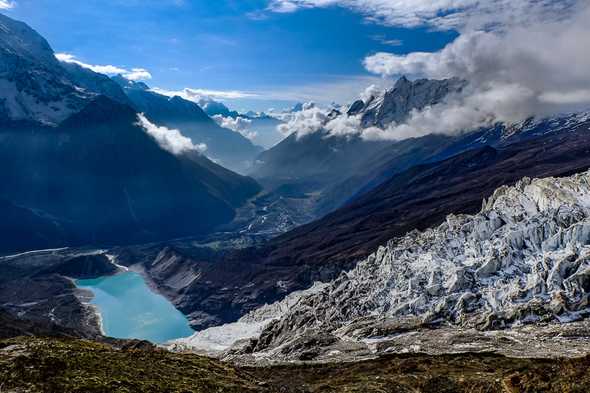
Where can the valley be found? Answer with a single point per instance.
(430, 234)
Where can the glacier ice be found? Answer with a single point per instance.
(524, 258)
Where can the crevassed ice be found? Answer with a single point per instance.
(523, 258)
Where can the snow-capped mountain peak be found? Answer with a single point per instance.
(34, 85)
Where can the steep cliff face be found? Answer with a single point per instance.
(34, 86)
(396, 104)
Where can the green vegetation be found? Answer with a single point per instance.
(68, 365)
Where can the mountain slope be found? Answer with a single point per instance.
(67, 365)
(227, 147)
(316, 158)
(90, 173)
(523, 258)
(339, 166)
(32, 82)
(109, 180)
(228, 284)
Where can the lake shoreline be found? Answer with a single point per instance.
(127, 307)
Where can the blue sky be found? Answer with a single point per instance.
(277, 58)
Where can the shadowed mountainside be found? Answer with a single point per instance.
(228, 283)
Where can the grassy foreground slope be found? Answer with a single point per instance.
(68, 365)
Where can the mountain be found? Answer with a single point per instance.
(33, 84)
(396, 104)
(212, 108)
(336, 166)
(314, 160)
(79, 169)
(109, 181)
(402, 155)
(523, 258)
(230, 283)
(224, 146)
(96, 83)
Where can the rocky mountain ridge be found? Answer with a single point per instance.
(34, 86)
(395, 104)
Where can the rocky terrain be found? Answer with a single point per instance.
(522, 259)
(395, 104)
(66, 365)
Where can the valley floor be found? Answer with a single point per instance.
(67, 365)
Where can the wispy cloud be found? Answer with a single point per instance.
(138, 74)
(197, 94)
(441, 14)
(7, 4)
(239, 124)
(169, 139)
(339, 89)
(135, 74)
(382, 39)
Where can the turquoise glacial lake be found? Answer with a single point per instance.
(130, 309)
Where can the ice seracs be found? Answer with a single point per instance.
(524, 258)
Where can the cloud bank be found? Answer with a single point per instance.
(7, 4)
(440, 14)
(515, 70)
(521, 72)
(135, 74)
(309, 120)
(239, 124)
(169, 139)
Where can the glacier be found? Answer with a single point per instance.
(523, 259)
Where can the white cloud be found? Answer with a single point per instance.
(134, 74)
(569, 97)
(137, 74)
(239, 124)
(197, 95)
(284, 6)
(371, 92)
(307, 121)
(520, 72)
(340, 89)
(442, 14)
(169, 139)
(7, 4)
(387, 41)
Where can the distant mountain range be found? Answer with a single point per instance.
(417, 198)
(395, 104)
(77, 167)
(337, 166)
(226, 147)
(521, 259)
